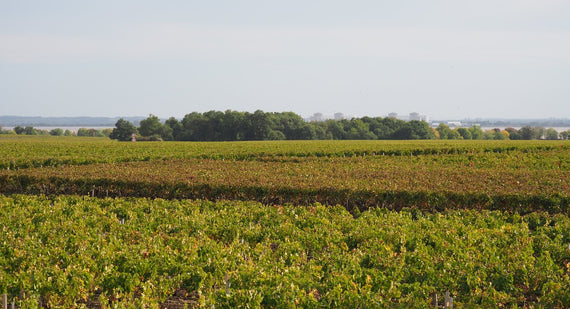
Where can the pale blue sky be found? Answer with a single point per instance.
(448, 59)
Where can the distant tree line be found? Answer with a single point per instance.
(29, 130)
(245, 126)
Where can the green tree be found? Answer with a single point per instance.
(477, 132)
(90, 133)
(386, 127)
(83, 132)
(259, 126)
(56, 132)
(513, 133)
(276, 135)
(445, 132)
(106, 132)
(212, 126)
(465, 133)
(551, 134)
(192, 127)
(291, 124)
(528, 132)
(414, 129)
(30, 131)
(19, 130)
(150, 126)
(496, 134)
(322, 133)
(358, 130)
(421, 130)
(539, 132)
(308, 132)
(233, 126)
(123, 130)
(176, 128)
(166, 133)
(335, 128)
(501, 135)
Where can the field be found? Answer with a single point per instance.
(96, 223)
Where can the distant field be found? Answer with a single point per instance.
(271, 224)
(433, 175)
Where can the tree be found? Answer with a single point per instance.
(30, 131)
(166, 133)
(56, 132)
(513, 133)
(233, 126)
(90, 133)
(83, 132)
(260, 126)
(322, 133)
(528, 132)
(539, 132)
(421, 130)
(386, 127)
(336, 128)
(276, 135)
(123, 130)
(477, 132)
(212, 126)
(291, 124)
(564, 134)
(359, 130)
(150, 126)
(308, 132)
(414, 129)
(106, 132)
(192, 127)
(505, 134)
(19, 130)
(496, 134)
(465, 133)
(445, 132)
(551, 134)
(176, 129)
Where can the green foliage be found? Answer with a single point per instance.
(464, 133)
(446, 133)
(91, 133)
(56, 132)
(240, 126)
(432, 175)
(244, 126)
(68, 250)
(123, 130)
(150, 126)
(551, 134)
(397, 221)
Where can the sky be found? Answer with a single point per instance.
(448, 59)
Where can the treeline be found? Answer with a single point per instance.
(245, 126)
(29, 130)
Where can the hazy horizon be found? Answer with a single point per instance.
(445, 59)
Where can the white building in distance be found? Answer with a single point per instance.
(411, 116)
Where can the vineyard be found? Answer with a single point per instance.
(93, 223)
